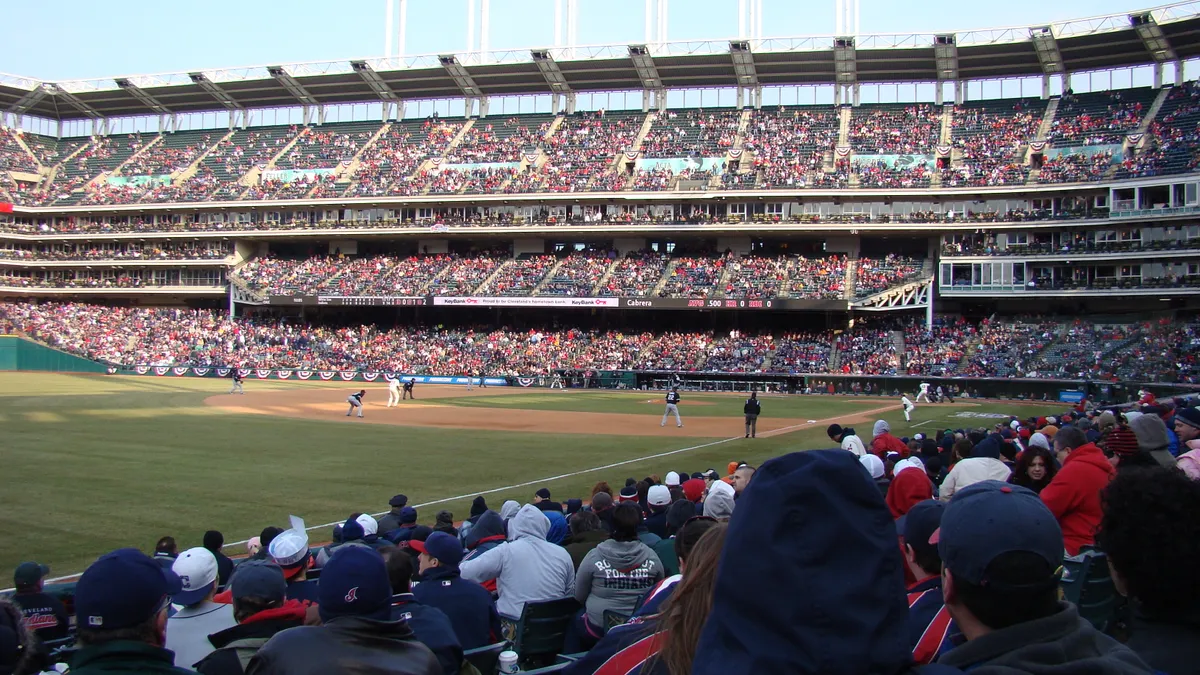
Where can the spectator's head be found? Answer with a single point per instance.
(910, 486)
(573, 506)
(1151, 433)
(921, 521)
(1187, 424)
(478, 506)
(398, 502)
(355, 582)
(601, 501)
(1039, 441)
(444, 520)
(28, 577)
(166, 546)
(836, 628)
(679, 514)
(881, 427)
(213, 541)
(584, 521)
(289, 550)
(693, 489)
(1035, 467)
(124, 596)
(627, 517)
(197, 570)
(17, 643)
(709, 476)
(686, 611)
(602, 486)
(351, 531)
(643, 491)
(659, 498)
(687, 536)
(268, 534)
(1001, 548)
(719, 503)
(962, 449)
(1150, 531)
(408, 516)
(1067, 440)
(257, 585)
(400, 567)
(541, 495)
(835, 432)
(439, 549)
(741, 478)
(873, 465)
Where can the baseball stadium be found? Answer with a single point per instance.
(571, 358)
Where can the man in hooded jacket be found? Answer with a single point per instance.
(1073, 495)
(883, 442)
(527, 568)
(487, 534)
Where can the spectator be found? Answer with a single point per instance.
(586, 533)
(470, 608)
(261, 609)
(265, 538)
(741, 479)
(658, 498)
(1150, 530)
(429, 625)
(719, 502)
(121, 606)
(198, 617)
(983, 464)
(679, 625)
(1035, 467)
(289, 550)
(478, 508)
(487, 534)
(1187, 425)
(444, 522)
(849, 440)
(1153, 438)
(1073, 496)
(680, 549)
(391, 520)
(165, 551)
(877, 472)
(678, 515)
(883, 442)
(357, 634)
(1001, 549)
(213, 541)
(614, 575)
(527, 568)
(541, 499)
(19, 649)
(909, 486)
(929, 622)
(41, 612)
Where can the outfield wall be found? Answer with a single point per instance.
(18, 353)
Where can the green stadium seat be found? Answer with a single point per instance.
(540, 632)
(1088, 584)
(484, 659)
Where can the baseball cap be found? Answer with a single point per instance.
(197, 570)
(289, 550)
(543, 493)
(659, 495)
(444, 547)
(921, 521)
(369, 524)
(671, 479)
(408, 515)
(1189, 416)
(259, 579)
(711, 474)
(122, 589)
(988, 519)
(628, 494)
(29, 573)
(398, 500)
(1151, 432)
(355, 583)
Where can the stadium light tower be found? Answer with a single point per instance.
(395, 25)
(846, 17)
(750, 19)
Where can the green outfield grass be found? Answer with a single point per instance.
(652, 403)
(92, 463)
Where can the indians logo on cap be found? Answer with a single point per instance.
(352, 594)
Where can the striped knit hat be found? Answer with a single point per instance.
(1121, 441)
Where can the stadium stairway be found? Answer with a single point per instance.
(947, 126)
(553, 271)
(20, 141)
(1047, 119)
(1143, 127)
(346, 174)
(488, 281)
(898, 340)
(722, 281)
(835, 357)
(191, 169)
(253, 176)
(851, 275)
(137, 153)
(612, 266)
(429, 163)
(844, 126)
(668, 272)
(647, 125)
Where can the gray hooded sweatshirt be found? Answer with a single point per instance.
(527, 568)
(614, 575)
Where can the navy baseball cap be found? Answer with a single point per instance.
(258, 579)
(123, 589)
(29, 573)
(398, 500)
(408, 515)
(988, 519)
(921, 521)
(355, 583)
(442, 546)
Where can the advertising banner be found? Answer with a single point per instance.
(271, 374)
(474, 301)
(565, 302)
(293, 175)
(895, 161)
(678, 165)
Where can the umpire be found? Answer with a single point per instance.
(752, 409)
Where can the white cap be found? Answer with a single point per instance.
(919, 437)
(671, 479)
(659, 495)
(197, 569)
(289, 547)
(369, 525)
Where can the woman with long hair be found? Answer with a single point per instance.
(1035, 468)
(663, 643)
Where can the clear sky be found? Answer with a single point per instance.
(75, 39)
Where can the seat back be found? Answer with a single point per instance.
(556, 668)
(485, 658)
(543, 627)
(1088, 584)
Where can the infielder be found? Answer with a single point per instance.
(924, 392)
(393, 391)
(408, 389)
(672, 408)
(237, 382)
(469, 378)
(355, 401)
(752, 410)
(909, 406)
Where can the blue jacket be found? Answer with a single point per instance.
(929, 622)
(814, 544)
(431, 628)
(624, 650)
(469, 606)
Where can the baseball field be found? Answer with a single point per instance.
(91, 463)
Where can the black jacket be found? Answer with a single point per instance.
(547, 505)
(390, 521)
(347, 645)
(237, 645)
(224, 568)
(752, 407)
(432, 627)
(1168, 646)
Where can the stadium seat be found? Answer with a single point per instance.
(542, 629)
(613, 619)
(1088, 584)
(485, 658)
(556, 668)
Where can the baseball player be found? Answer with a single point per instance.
(924, 392)
(408, 389)
(393, 391)
(469, 378)
(355, 401)
(752, 409)
(237, 382)
(672, 408)
(909, 406)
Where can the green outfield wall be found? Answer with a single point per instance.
(17, 353)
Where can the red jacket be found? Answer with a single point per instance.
(908, 488)
(1074, 495)
(884, 443)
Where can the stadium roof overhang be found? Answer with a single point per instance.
(1099, 43)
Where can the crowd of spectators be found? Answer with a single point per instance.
(323, 148)
(991, 137)
(584, 147)
(1075, 167)
(694, 277)
(578, 274)
(789, 146)
(895, 130)
(868, 349)
(386, 166)
(520, 276)
(1096, 118)
(738, 352)
(635, 275)
(12, 156)
(141, 250)
(692, 132)
(938, 351)
(802, 352)
(874, 275)
(880, 174)
(1008, 348)
(1171, 140)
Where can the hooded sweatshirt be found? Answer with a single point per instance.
(487, 534)
(851, 442)
(775, 550)
(527, 568)
(509, 509)
(983, 464)
(614, 575)
(719, 503)
(908, 488)
(1073, 496)
(884, 442)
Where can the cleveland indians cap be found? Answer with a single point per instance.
(122, 589)
(355, 583)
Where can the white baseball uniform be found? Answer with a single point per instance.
(924, 392)
(909, 406)
(393, 392)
